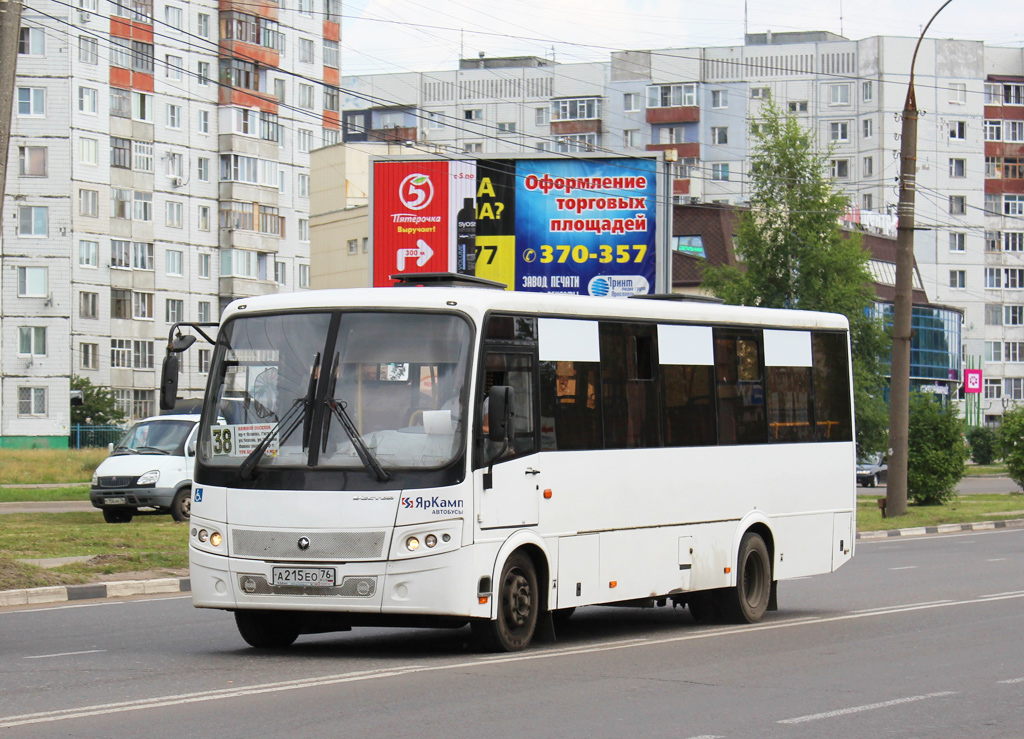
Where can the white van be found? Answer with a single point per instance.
(151, 467)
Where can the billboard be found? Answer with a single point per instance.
(577, 225)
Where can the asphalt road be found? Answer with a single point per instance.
(916, 637)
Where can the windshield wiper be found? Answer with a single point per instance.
(299, 412)
(152, 449)
(337, 406)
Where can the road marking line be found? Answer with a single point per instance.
(909, 567)
(1014, 681)
(1002, 595)
(998, 559)
(65, 654)
(869, 707)
(327, 680)
(908, 605)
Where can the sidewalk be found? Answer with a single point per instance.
(124, 588)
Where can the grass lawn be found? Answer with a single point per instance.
(148, 543)
(34, 466)
(32, 495)
(962, 509)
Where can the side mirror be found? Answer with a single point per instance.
(500, 402)
(169, 382)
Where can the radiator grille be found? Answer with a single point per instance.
(117, 482)
(351, 587)
(335, 546)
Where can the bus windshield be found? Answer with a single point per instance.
(362, 389)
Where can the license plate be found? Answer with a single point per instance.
(322, 576)
(113, 501)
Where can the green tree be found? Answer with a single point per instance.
(1011, 443)
(99, 409)
(984, 443)
(935, 451)
(794, 254)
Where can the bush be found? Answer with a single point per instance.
(983, 442)
(936, 451)
(1011, 444)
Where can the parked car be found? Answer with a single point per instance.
(872, 471)
(151, 467)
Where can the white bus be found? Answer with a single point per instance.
(446, 455)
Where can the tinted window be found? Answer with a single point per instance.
(689, 405)
(570, 406)
(789, 404)
(832, 387)
(739, 388)
(628, 386)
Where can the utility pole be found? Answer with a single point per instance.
(903, 306)
(10, 26)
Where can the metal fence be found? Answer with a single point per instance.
(82, 436)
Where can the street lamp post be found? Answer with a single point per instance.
(899, 376)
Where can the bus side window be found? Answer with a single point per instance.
(570, 406)
(739, 388)
(515, 370)
(832, 386)
(689, 405)
(628, 385)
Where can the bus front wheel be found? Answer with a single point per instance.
(518, 602)
(748, 600)
(267, 629)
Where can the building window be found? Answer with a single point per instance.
(172, 16)
(32, 282)
(120, 203)
(993, 240)
(142, 256)
(839, 131)
(280, 273)
(720, 171)
(88, 50)
(120, 353)
(89, 203)
(957, 279)
(868, 166)
(993, 351)
(33, 220)
(993, 278)
(867, 91)
(175, 259)
(958, 130)
(87, 100)
(88, 305)
(1013, 241)
(839, 94)
(1014, 315)
(1013, 351)
(630, 102)
(88, 151)
(31, 42)
(303, 275)
(956, 241)
(993, 130)
(542, 116)
(1013, 205)
(506, 127)
(303, 229)
(174, 214)
(840, 169)
(175, 310)
(868, 127)
(958, 93)
(993, 314)
(305, 140)
(203, 311)
(204, 121)
(306, 96)
(174, 116)
(631, 138)
(719, 99)
(142, 153)
(89, 356)
(332, 57)
(867, 201)
(203, 365)
(143, 403)
(89, 254)
(203, 218)
(957, 205)
(172, 67)
(719, 135)
(957, 167)
(1015, 131)
(32, 161)
(993, 203)
(143, 206)
(671, 96)
(142, 305)
(993, 388)
(142, 107)
(203, 169)
(203, 25)
(1013, 279)
(120, 303)
(31, 101)
(798, 106)
(120, 152)
(120, 254)
(993, 168)
(32, 341)
(760, 93)
(1013, 94)
(31, 401)
(1014, 388)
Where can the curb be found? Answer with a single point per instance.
(116, 589)
(949, 528)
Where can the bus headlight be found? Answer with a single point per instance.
(215, 538)
(412, 543)
(430, 540)
(203, 535)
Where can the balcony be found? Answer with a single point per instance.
(683, 114)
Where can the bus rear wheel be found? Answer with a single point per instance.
(748, 600)
(267, 629)
(518, 603)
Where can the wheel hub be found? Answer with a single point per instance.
(518, 601)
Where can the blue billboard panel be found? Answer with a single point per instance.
(586, 226)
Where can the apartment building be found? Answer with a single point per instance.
(700, 104)
(158, 168)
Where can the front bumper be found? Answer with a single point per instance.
(133, 497)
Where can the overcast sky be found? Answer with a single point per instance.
(430, 35)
